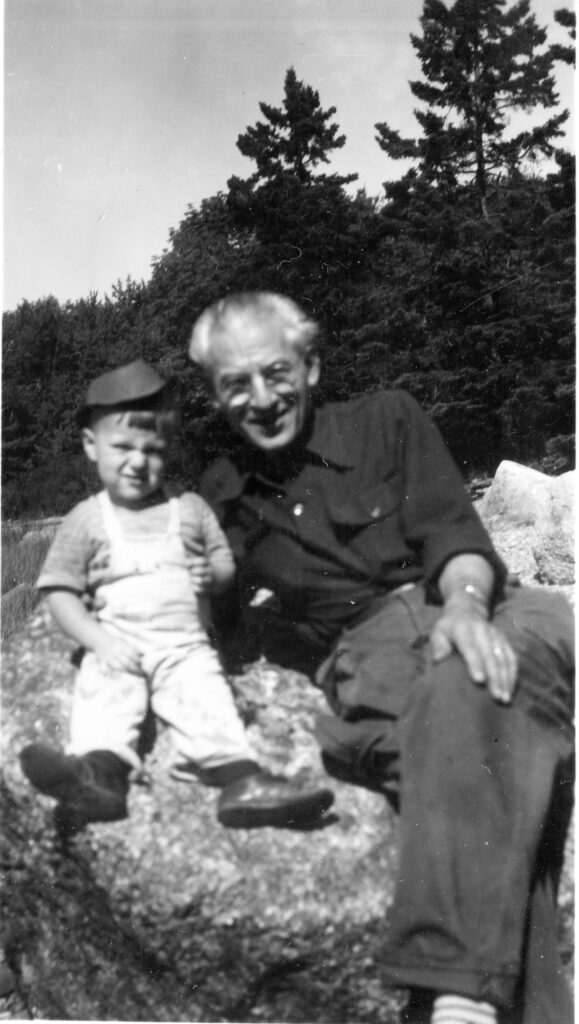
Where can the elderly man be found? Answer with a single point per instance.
(450, 688)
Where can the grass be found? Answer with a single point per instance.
(23, 553)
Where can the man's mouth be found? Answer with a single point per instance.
(269, 424)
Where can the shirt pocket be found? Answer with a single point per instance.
(368, 525)
(369, 506)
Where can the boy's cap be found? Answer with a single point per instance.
(129, 383)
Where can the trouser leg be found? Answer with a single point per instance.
(543, 993)
(108, 711)
(191, 694)
(477, 782)
(476, 790)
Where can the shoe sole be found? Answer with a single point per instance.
(219, 777)
(301, 814)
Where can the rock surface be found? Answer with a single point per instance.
(169, 917)
(531, 519)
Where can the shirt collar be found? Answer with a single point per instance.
(329, 442)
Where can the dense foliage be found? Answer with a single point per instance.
(457, 283)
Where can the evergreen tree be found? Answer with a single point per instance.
(481, 60)
(479, 252)
(300, 216)
(567, 19)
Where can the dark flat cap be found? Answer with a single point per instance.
(126, 384)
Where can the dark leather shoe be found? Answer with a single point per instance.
(92, 787)
(262, 799)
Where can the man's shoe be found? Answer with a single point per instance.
(220, 776)
(92, 787)
(263, 799)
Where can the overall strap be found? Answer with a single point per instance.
(110, 519)
(174, 527)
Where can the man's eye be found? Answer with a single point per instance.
(234, 384)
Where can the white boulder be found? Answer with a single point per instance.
(530, 517)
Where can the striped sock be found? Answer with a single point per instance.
(451, 1009)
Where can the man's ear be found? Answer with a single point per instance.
(89, 444)
(314, 367)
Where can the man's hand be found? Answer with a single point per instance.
(116, 654)
(489, 657)
(465, 584)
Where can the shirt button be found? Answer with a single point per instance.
(298, 509)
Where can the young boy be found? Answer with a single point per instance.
(143, 562)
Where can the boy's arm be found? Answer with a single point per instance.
(219, 553)
(213, 545)
(70, 614)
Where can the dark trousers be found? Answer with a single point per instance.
(484, 792)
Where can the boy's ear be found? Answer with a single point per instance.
(88, 443)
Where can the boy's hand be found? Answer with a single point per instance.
(201, 574)
(117, 654)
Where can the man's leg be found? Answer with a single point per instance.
(477, 784)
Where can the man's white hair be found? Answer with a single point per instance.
(298, 329)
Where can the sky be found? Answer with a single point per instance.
(119, 114)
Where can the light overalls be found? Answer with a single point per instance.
(147, 596)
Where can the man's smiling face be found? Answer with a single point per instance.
(261, 382)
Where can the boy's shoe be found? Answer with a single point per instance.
(220, 775)
(262, 799)
(92, 787)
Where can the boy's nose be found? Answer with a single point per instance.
(138, 460)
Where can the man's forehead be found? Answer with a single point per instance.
(251, 340)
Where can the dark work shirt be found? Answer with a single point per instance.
(367, 500)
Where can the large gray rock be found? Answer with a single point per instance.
(530, 517)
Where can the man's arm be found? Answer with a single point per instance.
(466, 584)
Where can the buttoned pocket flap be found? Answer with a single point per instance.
(366, 507)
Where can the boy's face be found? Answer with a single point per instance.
(130, 460)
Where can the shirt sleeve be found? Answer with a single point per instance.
(438, 516)
(68, 558)
(213, 539)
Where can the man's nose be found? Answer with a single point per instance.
(261, 395)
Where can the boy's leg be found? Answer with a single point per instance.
(108, 711)
(192, 695)
(90, 781)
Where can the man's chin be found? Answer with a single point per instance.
(270, 438)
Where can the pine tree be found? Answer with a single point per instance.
(293, 140)
(300, 215)
(479, 250)
(481, 60)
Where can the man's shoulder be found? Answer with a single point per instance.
(221, 480)
(391, 398)
(368, 412)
